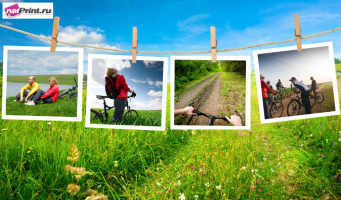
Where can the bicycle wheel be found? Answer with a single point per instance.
(63, 94)
(72, 95)
(294, 108)
(312, 100)
(320, 97)
(287, 94)
(96, 117)
(130, 116)
(276, 109)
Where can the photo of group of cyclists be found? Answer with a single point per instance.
(296, 83)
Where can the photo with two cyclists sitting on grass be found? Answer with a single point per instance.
(39, 83)
(297, 83)
(210, 93)
(125, 93)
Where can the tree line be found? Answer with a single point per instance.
(234, 66)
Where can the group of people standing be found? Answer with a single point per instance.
(268, 91)
(36, 95)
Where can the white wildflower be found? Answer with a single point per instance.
(182, 196)
(207, 184)
(218, 187)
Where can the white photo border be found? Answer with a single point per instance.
(80, 52)
(247, 96)
(290, 48)
(164, 93)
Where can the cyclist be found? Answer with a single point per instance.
(121, 101)
(269, 93)
(304, 93)
(280, 87)
(265, 88)
(235, 120)
(313, 86)
(32, 86)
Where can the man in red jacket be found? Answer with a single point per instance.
(265, 88)
(50, 96)
(121, 101)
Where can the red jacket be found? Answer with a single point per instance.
(52, 92)
(265, 87)
(121, 82)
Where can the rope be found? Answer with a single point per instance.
(166, 52)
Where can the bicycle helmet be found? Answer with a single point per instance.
(267, 82)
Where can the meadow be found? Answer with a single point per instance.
(287, 160)
(63, 79)
(144, 118)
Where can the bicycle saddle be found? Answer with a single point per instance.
(101, 97)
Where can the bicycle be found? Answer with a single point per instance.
(212, 118)
(295, 104)
(275, 107)
(284, 93)
(66, 92)
(319, 95)
(103, 116)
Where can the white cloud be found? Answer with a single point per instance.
(155, 94)
(150, 64)
(150, 82)
(137, 81)
(191, 25)
(7, 23)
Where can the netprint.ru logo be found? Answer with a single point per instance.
(14, 10)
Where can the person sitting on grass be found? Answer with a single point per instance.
(235, 120)
(50, 96)
(32, 86)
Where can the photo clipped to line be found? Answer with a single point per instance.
(126, 95)
(40, 85)
(210, 95)
(295, 84)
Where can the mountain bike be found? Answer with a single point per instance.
(212, 118)
(103, 116)
(283, 94)
(319, 95)
(295, 104)
(275, 108)
(68, 91)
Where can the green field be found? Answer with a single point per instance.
(61, 108)
(144, 118)
(338, 67)
(65, 79)
(286, 160)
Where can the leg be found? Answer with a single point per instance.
(30, 98)
(266, 110)
(47, 100)
(37, 96)
(306, 102)
(24, 95)
(120, 104)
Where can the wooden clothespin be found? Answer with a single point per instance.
(134, 45)
(213, 44)
(54, 34)
(298, 33)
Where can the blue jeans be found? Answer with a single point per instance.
(37, 97)
(266, 109)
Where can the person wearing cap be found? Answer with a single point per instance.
(313, 86)
(304, 93)
(121, 101)
(265, 88)
(269, 93)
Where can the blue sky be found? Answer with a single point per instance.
(299, 64)
(144, 77)
(180, 25)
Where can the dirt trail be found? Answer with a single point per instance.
(184, 100)
(317, 108)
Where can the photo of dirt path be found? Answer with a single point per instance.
(220, 94)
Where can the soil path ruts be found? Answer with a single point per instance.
(184, 100)
(317, 108)
(209, 103)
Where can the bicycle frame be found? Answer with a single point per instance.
(107, 108)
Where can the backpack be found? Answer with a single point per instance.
(110, 88)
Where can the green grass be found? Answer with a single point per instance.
(61, 108)
(144, 118)
(66, 79)
(338, 67)
(151, 163)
